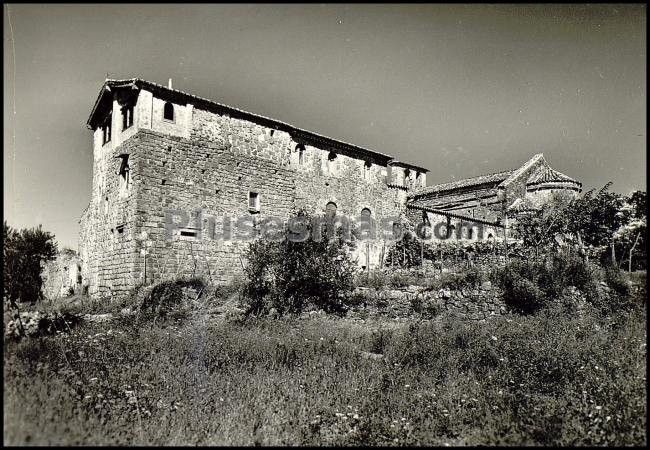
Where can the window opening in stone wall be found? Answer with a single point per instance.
(188, 233)
(127, 117)
(407, 174)
(106, 129)
(124, 173)
(366, 170)
(253, 201)
(330, 209)
(120, 229)
(365, 212)
(301, 154)
(331, 156)
(168, 113)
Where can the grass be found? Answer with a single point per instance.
(545, 379)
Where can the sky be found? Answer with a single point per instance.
(460, 89)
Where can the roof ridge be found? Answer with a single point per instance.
(536, 157)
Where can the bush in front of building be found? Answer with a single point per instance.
(289, 276)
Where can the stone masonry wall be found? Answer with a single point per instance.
(479, 303)
(216, 176)
(205, 164)
(108, 254)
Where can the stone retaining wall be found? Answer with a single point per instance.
(478, 303)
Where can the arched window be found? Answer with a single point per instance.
(330, 209)
(366, 170)
(168, 113)
(365, 212)
(301, 154)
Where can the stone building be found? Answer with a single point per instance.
(156, 150)
(484, 207)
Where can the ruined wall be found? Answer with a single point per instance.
(62, 275)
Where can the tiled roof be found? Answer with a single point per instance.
(492, 178)
(518, 172)
(408, 165)
(452, 200)
(210, 105)
(454, 215)
(548, 175)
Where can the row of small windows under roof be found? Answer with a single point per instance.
(127, 120)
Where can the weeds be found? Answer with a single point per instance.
(544, 379)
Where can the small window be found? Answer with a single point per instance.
(120, 229)
(331, 156)
(330, 209)
(366, 170)
(253, 201)
(106, 129)
(301, 154)
(188, 233)
(168, 113)
(127, 117)
(365, 212)
(407, 174)
(124, 173)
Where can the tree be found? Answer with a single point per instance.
(638, 200)
(24, 253)
(290, 273)
(596, 217)
(538, 229)
(631, 235)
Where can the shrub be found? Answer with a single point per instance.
(470, 277)
(289, 275)
(224, 291)
(163, 297)
(375, 279)
(616, 280)
(519, 281)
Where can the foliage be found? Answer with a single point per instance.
(24, 253)
(289, 275)
(542, 380)
(520, 280)
(470, 277)
(537, 230)
(406, 252)
(161, 298)
(596, 217)
(630, 237)
(596, 220)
